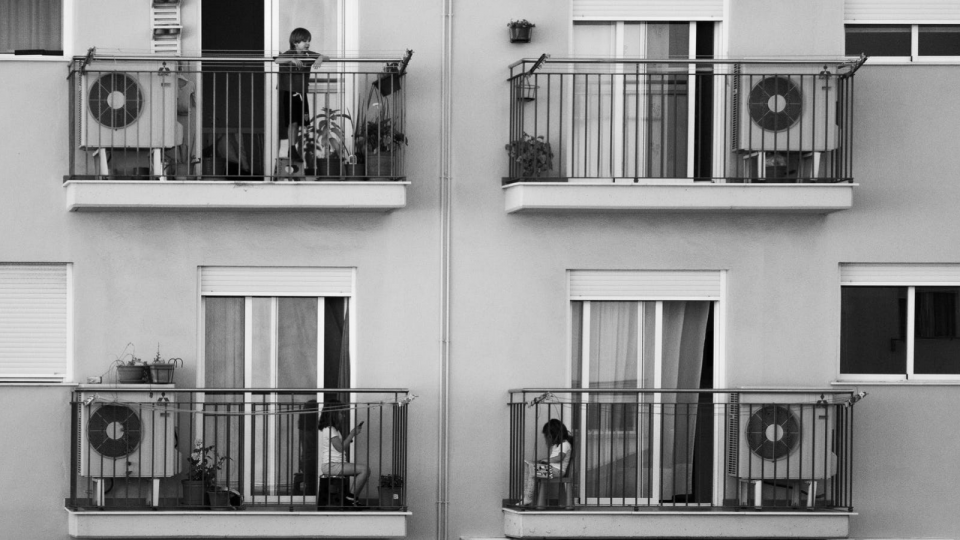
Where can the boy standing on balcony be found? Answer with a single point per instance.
(295, 67)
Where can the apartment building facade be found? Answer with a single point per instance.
(714, 240)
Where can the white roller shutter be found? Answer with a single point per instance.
(275, 281)
(900, 274)
(645, 284)
(905, 11)
(34, 319)
(648, 10)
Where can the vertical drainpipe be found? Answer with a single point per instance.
(446, 109)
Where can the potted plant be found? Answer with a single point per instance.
(391, 490)
(202, 477)
(530, 156)
(379, 139)
(324, 142)
(130, 368)
(161, 369)
(520, 31)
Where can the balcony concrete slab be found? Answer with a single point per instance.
(669, 196)
(675, 524)
(236, 524)
(124, 195)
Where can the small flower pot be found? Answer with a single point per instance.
(193, 493)
(218, 498)
(521, 34)
(132, 374)
(390, 497)
(161, 373)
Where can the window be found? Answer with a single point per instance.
(900, 331)
(621, 340)
(31, 27)
(35, 332)
(904, 41)
(273, 328)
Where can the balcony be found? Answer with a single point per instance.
(159, 462)
(680, 136)
(226, 133)
(681, 463)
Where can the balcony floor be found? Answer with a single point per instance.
(670, 523)
(132, 195)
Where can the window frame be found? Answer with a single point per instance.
(914, 58)
(67, 37)
(68, 372)
(908, 377)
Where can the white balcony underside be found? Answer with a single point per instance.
(237, 524)
(670, 196)
(104, 195)
(667, 524)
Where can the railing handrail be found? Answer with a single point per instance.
(832, 60)
(145, 387)
(747, 390)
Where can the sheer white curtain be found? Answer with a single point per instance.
(30, 24)
(619, 441)
(684, 329)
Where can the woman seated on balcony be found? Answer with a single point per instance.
(560, 442)
(333, 448)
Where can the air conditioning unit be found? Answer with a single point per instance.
(786, 108)
(127, 434)
(127, 105)
(781, 437)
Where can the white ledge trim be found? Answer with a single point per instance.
(129, 195)
(677, 197)
(237, 524)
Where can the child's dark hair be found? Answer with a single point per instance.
(298, 35)
(331, 414)
(556, 432)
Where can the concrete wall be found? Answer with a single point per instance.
(135, 273)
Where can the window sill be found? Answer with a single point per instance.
(32, 58)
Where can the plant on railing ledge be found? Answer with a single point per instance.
(533, 155)
(379, 139)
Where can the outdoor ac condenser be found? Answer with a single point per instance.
(786, 108)
(781, 437)
(125, 434)
(127, 105)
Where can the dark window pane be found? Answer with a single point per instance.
(30, 25)
(871, 331)
(937, 349)
(939, 40)
(878, 39)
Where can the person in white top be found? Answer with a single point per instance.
(560, 442)
(334, 448)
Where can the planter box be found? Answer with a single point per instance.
(380, 166)
(521, 34)
(132, 374)
(193, 493)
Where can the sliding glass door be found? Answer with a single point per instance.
(638, 447)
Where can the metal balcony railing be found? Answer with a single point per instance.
(681, 449)
(230, 118)
(620, 120)
(267, 449)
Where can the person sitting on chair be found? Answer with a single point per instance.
(560, 442)
(333, 448)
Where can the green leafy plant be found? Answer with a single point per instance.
(391, 481)
(205, 463)
(380, 136)
(532, 155)
(324, 137)
(522, 23)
